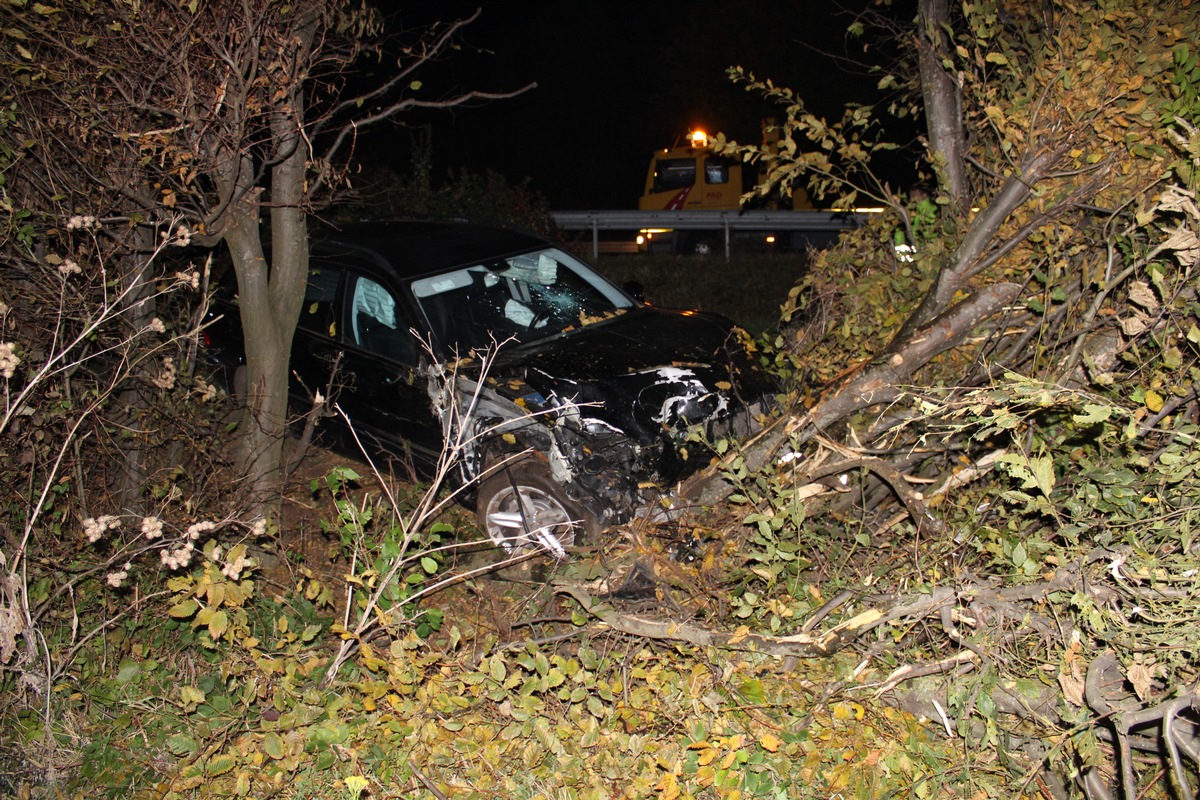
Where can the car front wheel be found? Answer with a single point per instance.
(522, 508)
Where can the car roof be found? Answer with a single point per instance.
(418, 247)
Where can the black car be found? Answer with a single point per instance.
(568, 404)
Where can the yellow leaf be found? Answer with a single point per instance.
(1154, 401)
(218, 625)
(184, 610)
(769, 742)
(219, 765)
(191, 696)
(242, 787)
(668, 787)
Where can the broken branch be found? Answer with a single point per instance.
(801, 645)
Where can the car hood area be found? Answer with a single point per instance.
(628, 404)
(646, 372)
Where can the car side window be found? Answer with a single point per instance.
(375, 324)
(317, 314)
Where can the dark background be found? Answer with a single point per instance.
(619, 79)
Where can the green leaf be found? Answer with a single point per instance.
(752, 691)
(541, 664)
(1043, 473)
(273, 746)
(1019, 556)
(219, 765)
(595, 708)
(128, 671)
(182, 745)
(338, 477)
(185, 609)
(429, 565)
(1093, 414)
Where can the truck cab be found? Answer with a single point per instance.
(691, 177)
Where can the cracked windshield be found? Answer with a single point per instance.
(522, 298)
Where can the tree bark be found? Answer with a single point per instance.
(140, 310)
(970, 257)
(943, 102)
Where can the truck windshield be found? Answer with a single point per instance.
(674, 173)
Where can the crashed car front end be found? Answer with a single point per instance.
(614, 432)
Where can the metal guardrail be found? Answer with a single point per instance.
(727, 222)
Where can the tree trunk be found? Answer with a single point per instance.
(270, 297)
(266, 356)
(943, 102)
(131, 405)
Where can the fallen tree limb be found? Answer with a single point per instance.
(913, 500)
(801, 645)
(1171, 740)
(880, 382)
(986, 607)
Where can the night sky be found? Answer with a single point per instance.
(617, 80)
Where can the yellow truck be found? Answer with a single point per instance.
(691, 204)
(691, 177)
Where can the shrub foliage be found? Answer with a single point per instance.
(962, 562)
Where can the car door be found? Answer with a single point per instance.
(316, 346)
(383, 387)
